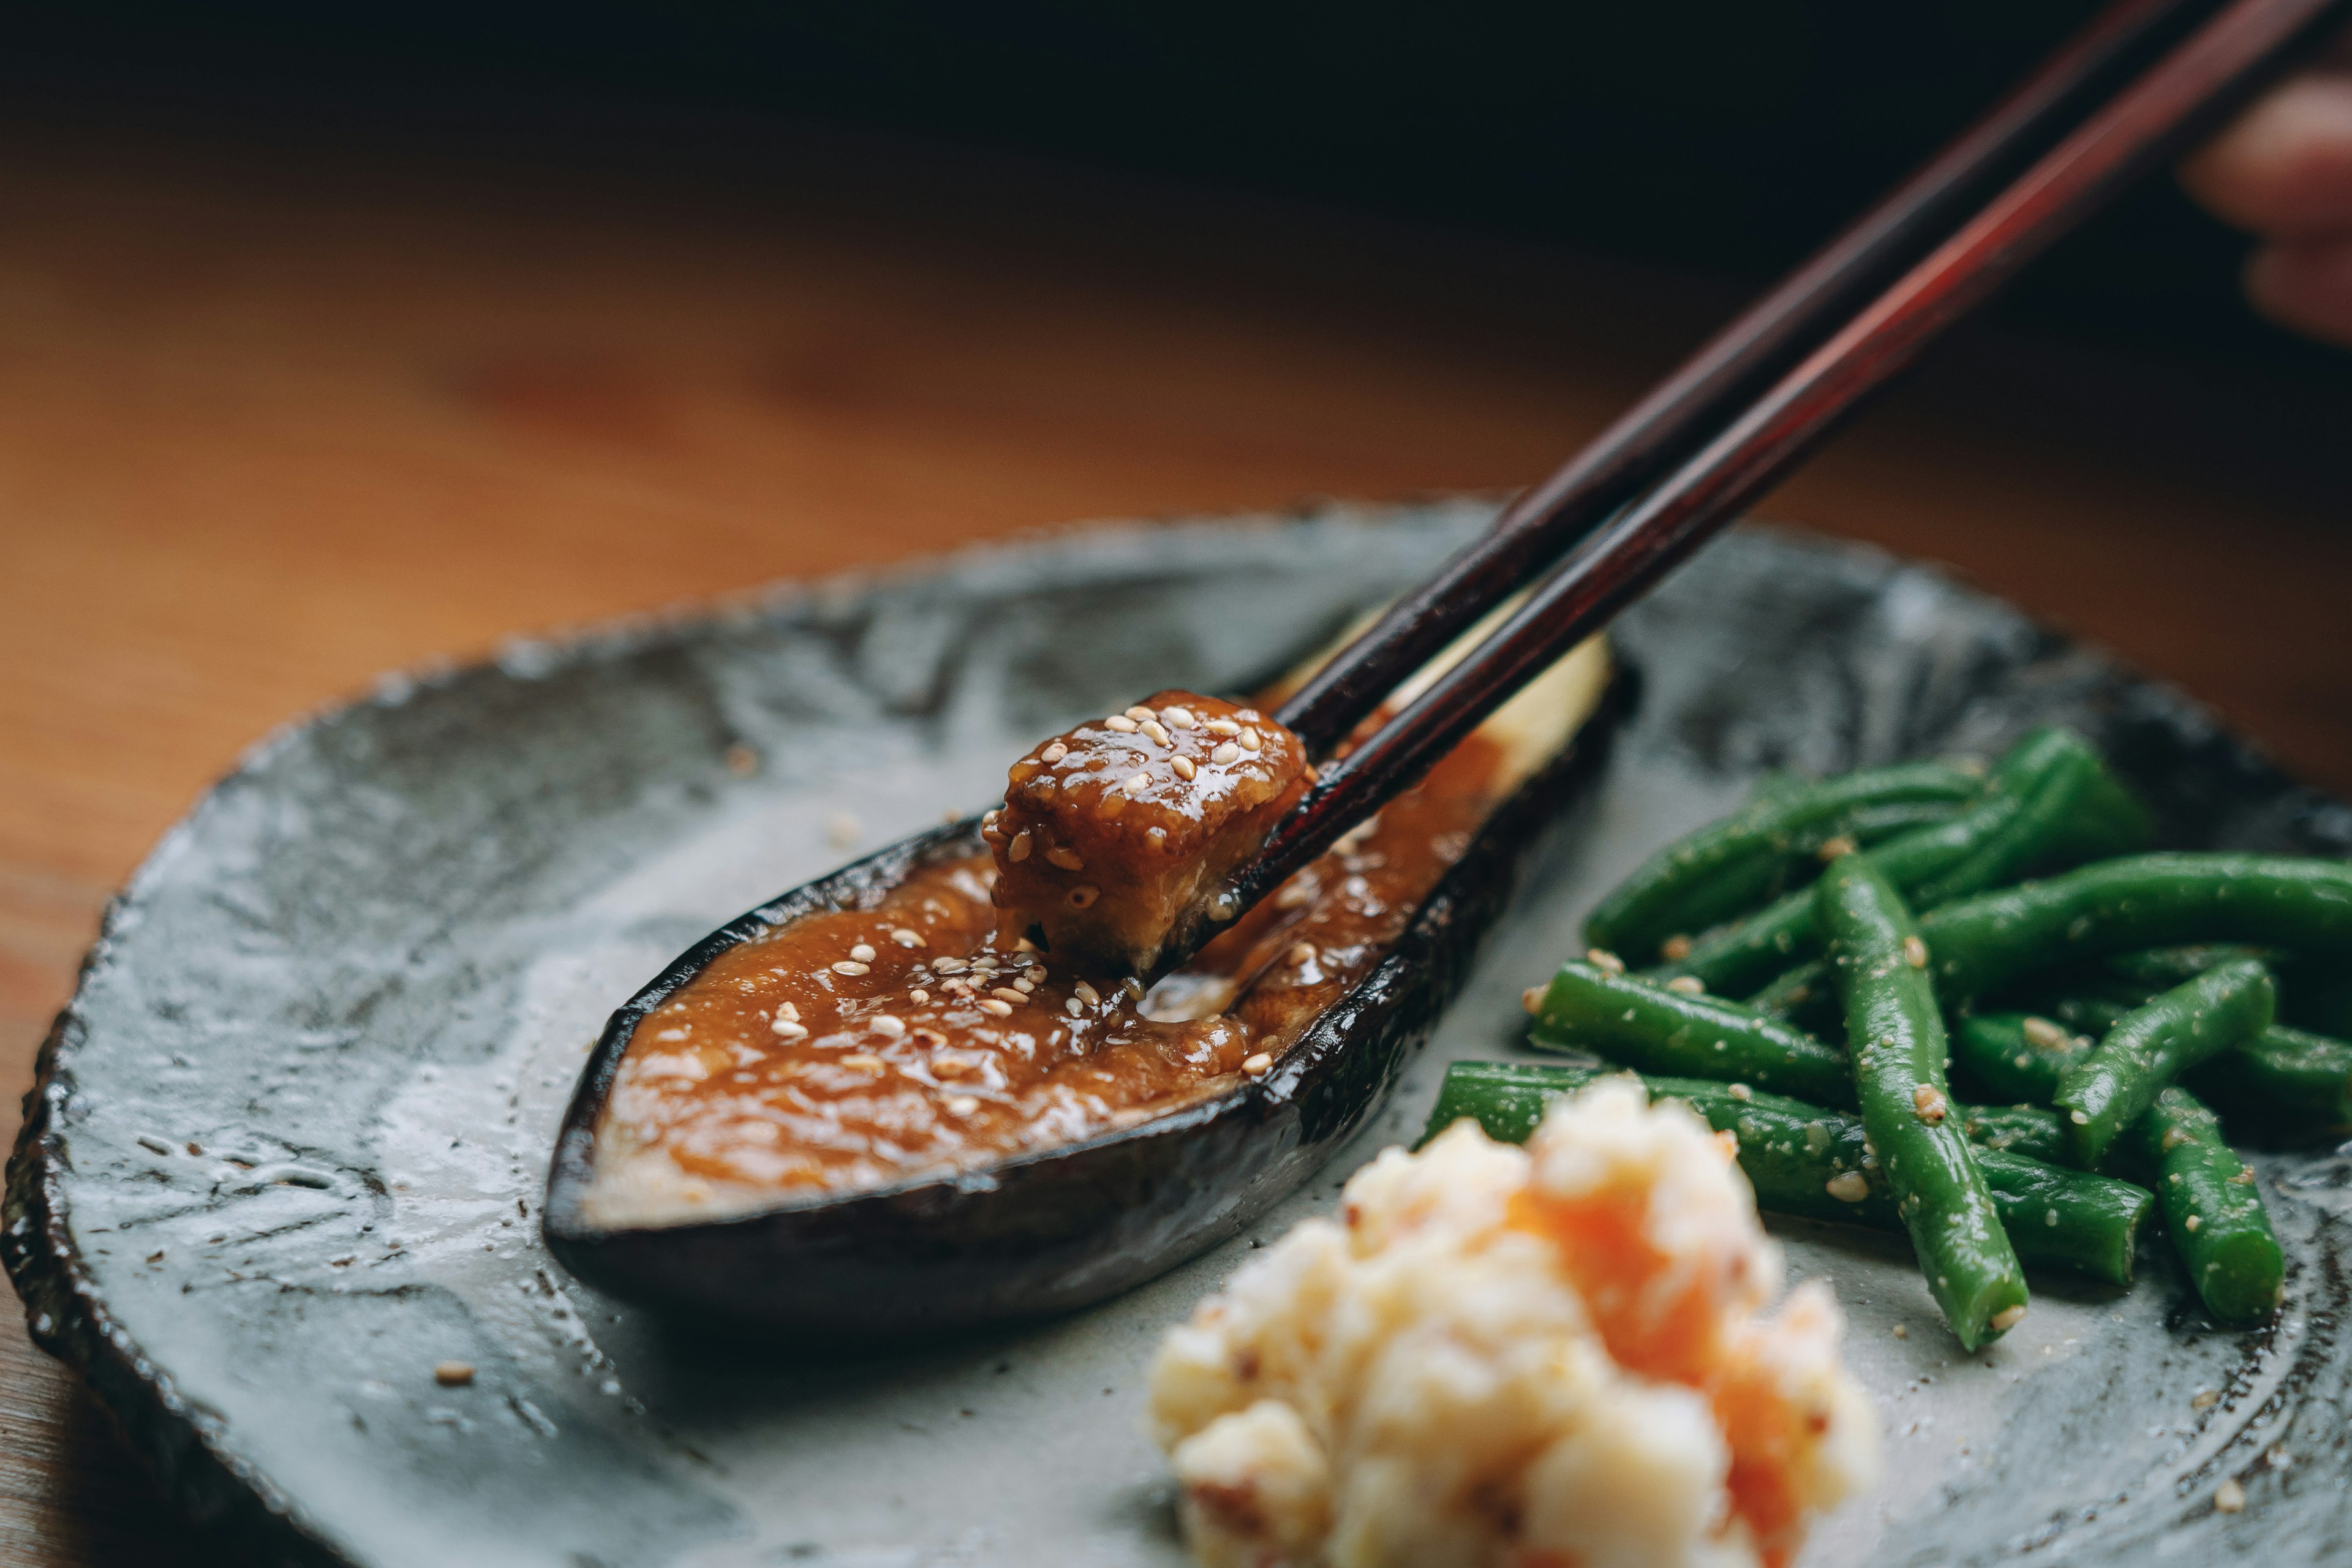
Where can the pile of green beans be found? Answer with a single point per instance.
(2048, 802)
(2115, 1003)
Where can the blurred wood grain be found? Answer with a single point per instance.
(277, 414)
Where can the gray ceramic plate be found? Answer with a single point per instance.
(291, 1134)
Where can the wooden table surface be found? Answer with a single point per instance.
(279, 412)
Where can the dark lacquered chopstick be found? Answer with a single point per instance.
(1736, 364)
(2149, 122)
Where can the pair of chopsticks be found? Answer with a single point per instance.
(2135, 90)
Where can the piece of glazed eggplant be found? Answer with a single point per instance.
(1051, 1230)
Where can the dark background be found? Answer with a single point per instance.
(1727, 134)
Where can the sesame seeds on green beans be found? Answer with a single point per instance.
(2110, 1087)
(1645, 1026)
(1896, 1045)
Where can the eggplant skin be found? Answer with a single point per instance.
(1059, 1229)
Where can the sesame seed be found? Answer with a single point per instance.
(1184, 767)
(1930, 1102)
(1915, 953)
(1250, 740)
(1025, 986)
(919, 996)
(2205, 1399)
(784, 1028)
(1532, 998)
(2047, 1034)
(2229, 1497)
(1836, 849)
(1018, 850)
(453, 1373)
(1225, 752)
(1221, 727)
(1688, 984)
(1178, 717)
(1258, 1064)
(884, 1024)
(1070, 1005)
(1053, 753)
(1002, 1009)
(1302, 954)
(949, 965)
(1139, 713)
(988, 820)
(962, 1105)
(1086, 994)
(1740, 1092)
(1132, 986)
(2191, 1223)
(1120, 722)
(1604, 961)
(1006, 994)
(1151, 727)
(2081, 1118)
(1135, 783)
(906, 936)
(1674, 949)
(1847, 1187)
(1084, 895)
(1248, 715)
(1066, 857)
(864, 1061)
(1901, 1332)
(863, 952)
(2008, 1318)
(851, 966)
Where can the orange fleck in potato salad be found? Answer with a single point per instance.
(1560, 1356)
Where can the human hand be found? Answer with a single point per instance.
(2283, 169)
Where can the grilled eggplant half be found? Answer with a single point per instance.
(870, 1107)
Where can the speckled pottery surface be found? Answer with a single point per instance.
(289, 1141)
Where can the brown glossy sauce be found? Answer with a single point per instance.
(947, 1047)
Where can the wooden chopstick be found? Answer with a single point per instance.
(1736, 364)
(2149, 122)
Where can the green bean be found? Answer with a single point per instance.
(2139, 902)
(1816, 1164)
(2035, 1131)
(2027, 816)
(1804, 995)
(2213, 1208)
(2111, 1087)
(1748, 858)
(1896, 1043)
(2287, 1086)
(2075, 1220)
(1645, 1025)
(2015, 1056)
(2145, 973)
(2284, 1086)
